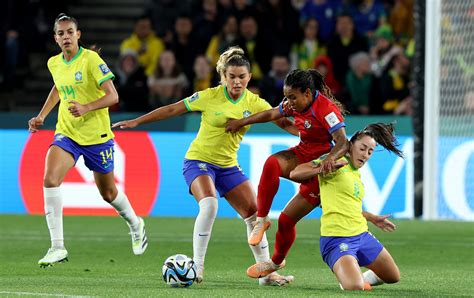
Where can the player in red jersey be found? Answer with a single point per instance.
(318, 116)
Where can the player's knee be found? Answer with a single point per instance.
(272, 164)
(394, 277)
(108, 194)
(51, 181)
(285, 222)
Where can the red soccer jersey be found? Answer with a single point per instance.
(315, 126)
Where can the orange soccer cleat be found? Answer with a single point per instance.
(263, 269)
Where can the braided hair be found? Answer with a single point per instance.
(312, 79)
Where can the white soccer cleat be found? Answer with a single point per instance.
(275, 279)
(53, 256)
(139, 240)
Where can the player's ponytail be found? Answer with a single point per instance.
(321, 86)
(233, 56)
(383, 134)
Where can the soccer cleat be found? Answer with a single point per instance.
(367, 286)
(199, 273)
(275, 279)
(261, 225)
(139, 240)
(53, 256)
(263, 269)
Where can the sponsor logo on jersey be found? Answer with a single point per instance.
(246, 113)
(343, 247)
(193, 97)
(78, 76)
(307, 124)
(104, 69)
(332, 119)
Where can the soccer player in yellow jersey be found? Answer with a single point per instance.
(84, 89)
(210, 165)
(345, 243)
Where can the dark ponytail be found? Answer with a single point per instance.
(383, 134)
(312, 79)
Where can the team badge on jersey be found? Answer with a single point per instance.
(332, 119)
(246, 113)
(104, 69)
(78, 76)
(193, 97)
(343, 247)
(307, 124)
(202, 166)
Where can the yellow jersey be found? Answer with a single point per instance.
(341, 202)
(212, 143)
(79, 79)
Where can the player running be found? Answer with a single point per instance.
(84, 89)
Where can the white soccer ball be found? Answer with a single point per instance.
(179, 271)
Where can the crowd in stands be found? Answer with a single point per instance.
(362, 47)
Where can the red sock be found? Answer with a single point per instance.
(285, 237)
(268, 186)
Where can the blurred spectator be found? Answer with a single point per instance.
(203, 75)
(279, 18)
(206, 24)
(163, 13)
(168, 83)
(401, 20)
(144, 41)
(184, 45)
(395, 89)
(345, 43)
(226, 37)
(359, 83)
(131, 83)
(242, 8)
(257, 47)
(324, 65)
(304, 53)
(325, 12)
(271, 86)
(383, 50)
(368, 15)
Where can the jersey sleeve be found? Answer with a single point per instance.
(198, 101)
(329, 115)
(99, 69)
(285, 110)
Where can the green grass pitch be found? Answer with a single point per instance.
(435, 259)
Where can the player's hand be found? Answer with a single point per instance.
(125, 124)
(382, 222)
(77, 109)
(233, 126)
(335, 165)
(287, 109)
(34, 123)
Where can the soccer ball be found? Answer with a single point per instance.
(179, 271)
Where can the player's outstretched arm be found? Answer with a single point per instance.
(161, 113)
(51, 101)
(235, 125)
